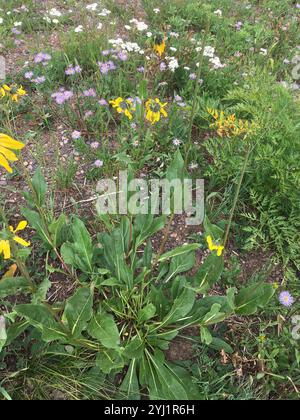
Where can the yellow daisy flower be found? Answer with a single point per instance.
(5, 245)
(160, 45)
(6, 155)
(12, 92)
(214, 247)
(123, 106)
(154, 110)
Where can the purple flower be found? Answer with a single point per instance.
(163, 66)
(105, 53)
(112, 65)
(193, 76)
(95, 145)
(298, 6)
(141, 69)
(70, 71)
(42, 58)
(78, 69)
(102, 102)
(28, 75)
(239, 25)
(286, 299)
(105, 68)
(88, 114)
(98, 163)
(76, 135)
(123, 56)
(90, 93)
(39, 80)
(62, 96)
(16, 31)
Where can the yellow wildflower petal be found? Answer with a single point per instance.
(21, 226)
(10, 272)
(21, 241)
(8, 154)
(10, 143)
(5, 249)
(4, 163)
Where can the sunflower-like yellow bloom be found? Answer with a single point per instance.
(123, 106)
(5, 245)
(214, 247)
(12, 92)
(6, 155)
(160, 45)
(154, 110)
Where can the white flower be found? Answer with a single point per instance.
(128, 27)
(174, 34)
(173, 64)
(92, 6)
(104, 12)
(141, 26)
(1, 20)
(156, 11)
(218, 12)
(177, 142)
(217, 63)
(149, 34)
(78, 29)
(173, 49)
(55, 21)
(16, 24)
(209, 51)
(99, 26)
(55, 12)
(263, 51)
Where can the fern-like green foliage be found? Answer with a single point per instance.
(272, 183)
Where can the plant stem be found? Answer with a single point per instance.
(196, 90)
(237, 194)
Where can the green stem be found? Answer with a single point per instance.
(196, 90)
(237, 194)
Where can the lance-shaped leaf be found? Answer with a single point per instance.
(104, 329)
(79, 310)
(41, 318)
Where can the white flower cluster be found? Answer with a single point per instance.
(52, 16)
(172, 63)
(210, 52)
(140, 26)
(126, 46)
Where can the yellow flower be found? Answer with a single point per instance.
(123, 106)
(12, 92)
(154, 110)
(5, 245)
(214, 247)
(160, 45)
(6, 155)
(5, 249)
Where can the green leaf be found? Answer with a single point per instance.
(109, 360)
(209, 273)
(145, 226)
(14, 330)
(79, 310)
(42, 319)
(180, 264)
(177, 169)
(40, 187)
(56, 230)
(3, 333)
(213, 230)
(253, 297)
(181, 307)
(104, 329)
(42, 290)
(214, 315)
(178, 251)
(147, 313)
(36, 222)
(206, 336)
(134, 349)
(79, 253)
(218, 344)
(13, 285)
(130, 384)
